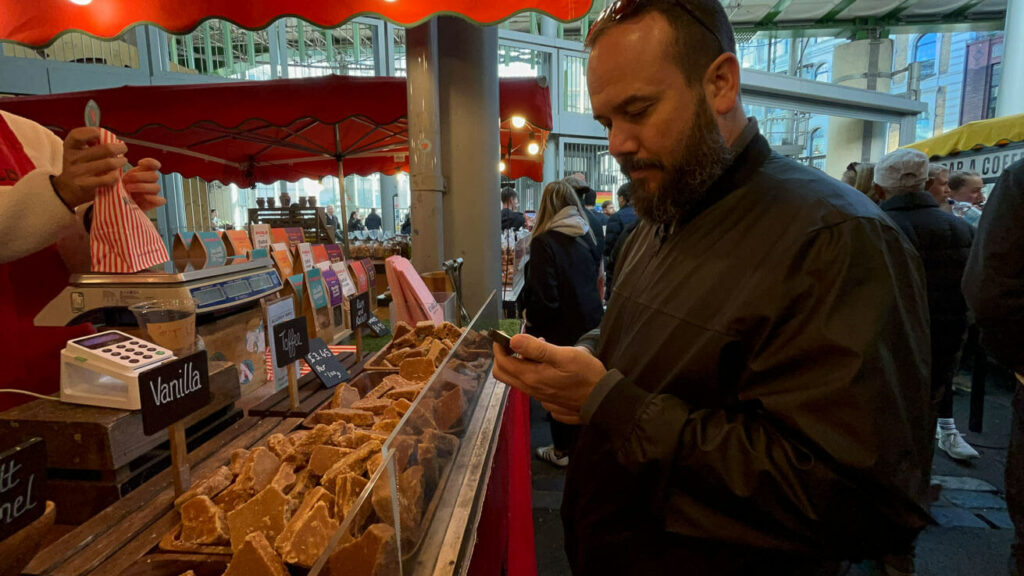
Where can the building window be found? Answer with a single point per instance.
(575, 97)
(924, 53)
(993, 95)
(816, 142)
(822, 72)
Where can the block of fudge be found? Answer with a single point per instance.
(405, 341)
(446, 443)
(379, 390)
(203, 522)
(324, 457)
(285, 478)
(396, 357)
(437, 352)
(408, 393)
(391, 413)
(266, 513)
(423, 415)
(401, 329)
(304, 482)
(426, 456)
(188, 573)
(374, 406)
(259, 469)
(312, 498)
(363, 436)
(210, 486)
(306, 536)
(410, 503)
(449, 331)
(232, 498)
(448, 409)
(344, 395)
(402, 406)
(238, 458)
(319, 435)
(256, 557)
(350, 415)
(374, 462)
(280, 445)
(375, 553)
(416, 369)
(396, 381)
(403, 446)
(424, 328)
(381, 501)
(354, 463)
(347, 489)
(385, 426)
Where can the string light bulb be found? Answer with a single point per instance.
(518, 121)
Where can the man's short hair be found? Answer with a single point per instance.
(507, 194)
(606, 204)
(958, 179)
(934, 169)
(696, 48)
(625, 193)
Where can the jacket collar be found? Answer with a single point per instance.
(910, 201)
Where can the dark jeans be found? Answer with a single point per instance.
(1015, 477)
(944, 367)
(564, 436)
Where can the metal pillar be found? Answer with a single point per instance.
(469, 109)
(1011, 86)
(425, 179)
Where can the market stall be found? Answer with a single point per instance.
(984, 146)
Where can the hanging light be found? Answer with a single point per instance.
(501, 166)
(532, 147)
(518, 121)
(81, 2)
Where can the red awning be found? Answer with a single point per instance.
(39, 22)
(265, 131)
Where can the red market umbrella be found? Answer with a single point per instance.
(39, 22)
(265, 131)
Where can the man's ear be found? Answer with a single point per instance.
(722, 84)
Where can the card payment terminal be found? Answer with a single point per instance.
(103, 369)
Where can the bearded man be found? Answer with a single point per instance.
(756, 400)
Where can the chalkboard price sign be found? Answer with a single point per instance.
(360, 309)
(173, 391)
(291, 341)
(325, 365)
(378, 328)
(22, 486)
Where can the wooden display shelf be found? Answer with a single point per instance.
(312, 393)
(313, 222)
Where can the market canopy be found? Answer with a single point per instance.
(265, 131)
(974, 135)
(39, 22)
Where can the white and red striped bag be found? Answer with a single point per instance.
(122, 239)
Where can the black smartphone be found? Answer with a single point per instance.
(501, 339)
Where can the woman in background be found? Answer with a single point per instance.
(561, 299)
(354, 223)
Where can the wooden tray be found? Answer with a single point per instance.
(376, 362)
(176, 564)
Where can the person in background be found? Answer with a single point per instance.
(864, 181)
(590, 204)
(354, 223)
(967, 187)
(944, 242)
(407, 224)
(373, 220)
(849, 176)
(993, 285)
(511, 217)
(560, 299)
(608, 208)
(615, 233)
(215, 221)
(938, 186)
(46, 193)
(756, 400)
(596, 226)
(332, 220)
(579, 176)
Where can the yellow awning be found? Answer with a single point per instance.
(974, 135)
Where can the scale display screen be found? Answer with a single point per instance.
(261, 282)
(209, 295)
(236, 289)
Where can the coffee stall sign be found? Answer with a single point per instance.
(22, 486)
(173, 391)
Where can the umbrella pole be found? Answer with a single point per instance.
(344, 210)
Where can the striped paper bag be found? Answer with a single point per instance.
(122, 239)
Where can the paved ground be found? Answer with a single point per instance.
(973, 534)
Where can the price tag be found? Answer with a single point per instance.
(173, 391)
(378, 328)
(22, 486)
(291, 341)
(359, 310)
(325, 364)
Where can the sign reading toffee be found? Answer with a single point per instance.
(173, 391)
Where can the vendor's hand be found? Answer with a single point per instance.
(87, 166)
(560, 377)
(143, 183)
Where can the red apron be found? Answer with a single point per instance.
(29, 355)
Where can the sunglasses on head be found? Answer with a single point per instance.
(621, 9)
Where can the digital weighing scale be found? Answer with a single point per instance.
(99, 297)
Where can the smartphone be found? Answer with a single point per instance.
(502, 339)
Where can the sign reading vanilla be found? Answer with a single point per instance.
(173, 391)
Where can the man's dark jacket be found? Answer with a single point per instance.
(560, 295)
(944, 243)
(617, 223)
(597, 228)
(994, 279)
(373, 222)
(510, 219)
(766, 409)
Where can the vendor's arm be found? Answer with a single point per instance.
(826, 439)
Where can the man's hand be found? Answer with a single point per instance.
(560, 377)
(87, 166)
(143, 183)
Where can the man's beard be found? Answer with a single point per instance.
(701, 159)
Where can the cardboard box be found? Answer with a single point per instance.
(240, 339)
(446, 300)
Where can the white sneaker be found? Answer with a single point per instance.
(953, 444)
(548, 454)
